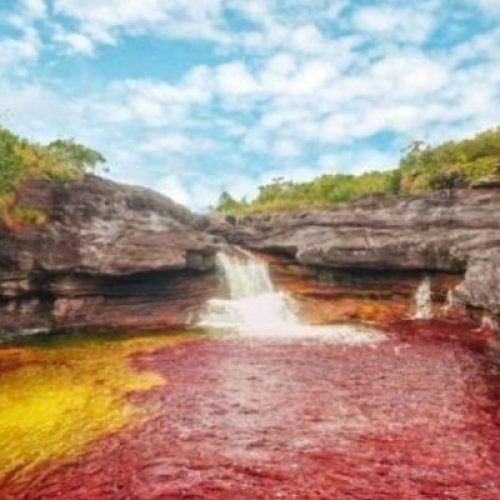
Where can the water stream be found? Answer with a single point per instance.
(251, 306)
(423, 300)
(255, 412)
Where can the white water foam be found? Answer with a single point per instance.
(452, 302)
(423, 300)
(253, 307)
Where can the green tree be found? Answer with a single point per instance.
(76, 155)
(227, 204)
(422, 168)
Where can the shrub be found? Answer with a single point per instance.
(11, 164)
(421, 169)
(21, 159)
(77, 156)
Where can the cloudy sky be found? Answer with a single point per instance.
(192, 97)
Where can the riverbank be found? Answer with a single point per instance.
(456, 233)
(107, 255)
(121, 257)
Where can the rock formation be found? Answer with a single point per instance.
(448, 231)
(114, 256)
(108, 255)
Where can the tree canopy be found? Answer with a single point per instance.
(76, 155)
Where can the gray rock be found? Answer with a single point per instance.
(96, 226)
(450, 231)
(108, 254)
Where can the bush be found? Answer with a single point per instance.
(21, 159)
(80, 157)
(11, 164)
(421, 169)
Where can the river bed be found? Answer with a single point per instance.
(193, 415)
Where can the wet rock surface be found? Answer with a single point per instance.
(121, 256)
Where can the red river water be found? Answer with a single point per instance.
(406, 418)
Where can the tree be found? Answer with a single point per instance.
(227, 203)
(76, 155)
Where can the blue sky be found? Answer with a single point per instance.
(193, 97)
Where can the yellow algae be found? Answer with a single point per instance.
(63, 396)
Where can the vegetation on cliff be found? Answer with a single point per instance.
(21, 160)
(422, 169)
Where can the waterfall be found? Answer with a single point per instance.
(252, 306)
(245, 276)
(252, 303)
(451, 303)
(423, 300)
(489, 324)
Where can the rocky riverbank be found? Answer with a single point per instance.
(115, 256)
(454, 232)
(107, 255)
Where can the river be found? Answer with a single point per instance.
(227, 411)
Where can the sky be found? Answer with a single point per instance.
(194, 97)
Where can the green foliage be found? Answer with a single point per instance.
(326, 190)
(32, 216)
(76, 155)
(421, 169)
(11, 165)
(227, 203)
(21, 159)
(450, 165)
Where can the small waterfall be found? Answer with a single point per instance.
(253, 303)
(254, 307)
(452, 302)
(489, 324)
(423, 300)
(246, 277)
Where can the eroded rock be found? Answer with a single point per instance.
(108, 255)
(450, 231)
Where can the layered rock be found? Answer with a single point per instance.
(448, 231)
(118, 256)
(108, 255)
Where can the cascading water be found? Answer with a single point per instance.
(254, 307)
(423, 300)
(253, 303)
(489, 324)
(452, 302)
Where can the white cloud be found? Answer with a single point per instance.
(313, 76)
(303, 81)
(399, 23)
(173, 187)
(15, 52)
(34, 8)
(286, 149)
(176, 143)
(168, 143)
(355, 162)
(106, 22)
(235, 79)
(408, 74)
(308, 39)
(294, 174)
(77, 43)
(155, 103)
